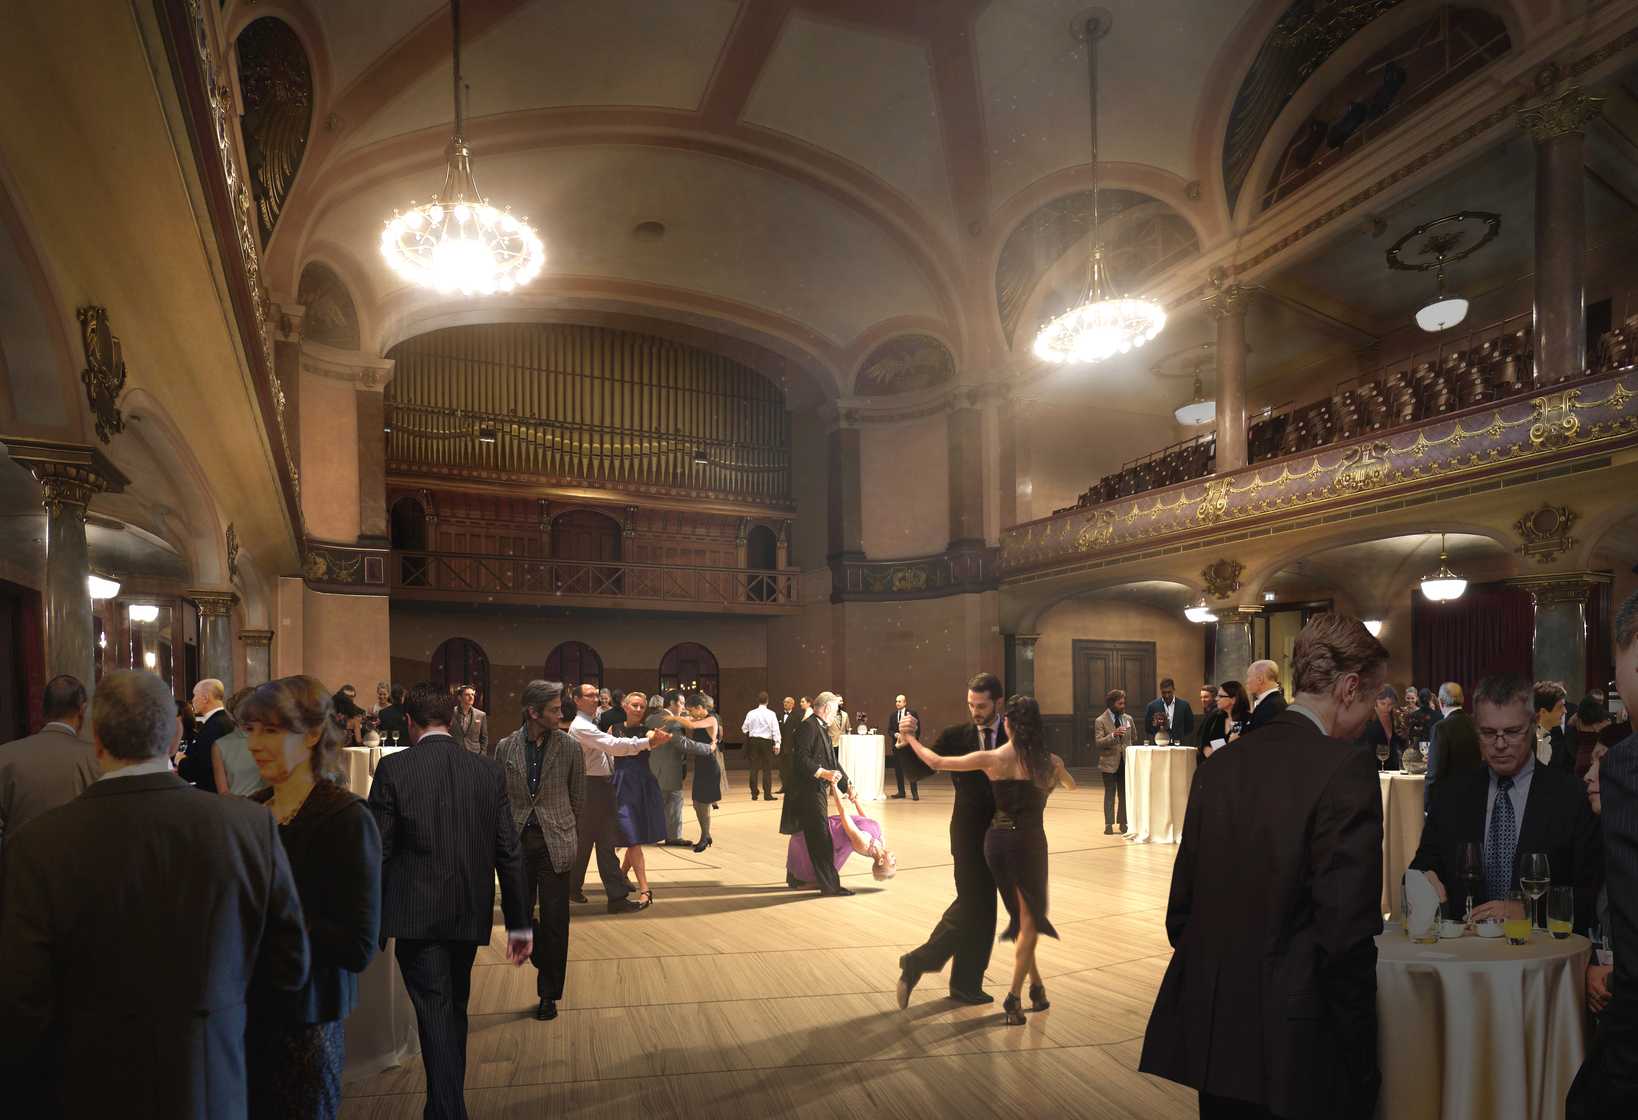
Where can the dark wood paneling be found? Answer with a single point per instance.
(1099, 667)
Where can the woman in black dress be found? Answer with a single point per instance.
(1022, 773)
(1224, 721)
(707, 769)
(295, 1047)
(1383, 727)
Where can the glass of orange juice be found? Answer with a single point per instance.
(1560, 911)
(1516, 906)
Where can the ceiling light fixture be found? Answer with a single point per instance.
(487, 435)
(1446, 310)
(1096, 328)
(1443, 585)
(701, 458)
(458, 241)
(1374, 625)
(103, 587)
(139, 613)
(1200, 612)
(1199, 410)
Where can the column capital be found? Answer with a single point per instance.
(1559, 587)
(212, 604)
(1566, 113)
(256, 638)
(70, 474)
(1026, 641)
(1229, 299)
(1236, 616)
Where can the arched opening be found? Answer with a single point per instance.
(461, 661)
(585, 535)
(575, 664)
(690, 667)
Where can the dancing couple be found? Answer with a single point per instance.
(1002, 773)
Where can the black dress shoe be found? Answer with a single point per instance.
(546, 1010)
(702, 845)
(974, 998)
(895, 797)
(579, 897)
(839, 892)
(1108, 830)
(908, 979)
(625, 906)
(916, 798)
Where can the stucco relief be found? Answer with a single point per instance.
(903, 365)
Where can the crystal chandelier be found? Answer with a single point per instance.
(1096, 328)
(1443, 585)
(458, 242)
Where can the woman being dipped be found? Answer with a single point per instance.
(849, 833)
(1022, 773)
(294, 1043)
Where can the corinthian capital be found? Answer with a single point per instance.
(1569, 112)
(1231, 299)
(70, 474)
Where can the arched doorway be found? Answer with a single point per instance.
(580, 539)
(692, 668)
(462, 661)
(761, 555)
(408, 521)
(575, 664)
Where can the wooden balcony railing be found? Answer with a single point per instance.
(530, 579)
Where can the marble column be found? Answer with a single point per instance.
(1559, 650)
(258, 662)
(69, 475)
(1228, 306)
(964, 431)
(1021, 664)
(215, 635)
(1017, 463)
(1557, 127)
(1233, 642)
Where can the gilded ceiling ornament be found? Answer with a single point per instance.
(213, 604)
(1555, 425)
(1546, 532)
(1231, 299)
(1222, 579)
(278, 90)
(104, 372)
(1194, 190)
(1362, 468)
(1566, 113)
(903, 365)
(232, 552)
(321, 567)
(1546, 78)
(1215, 502)
(1097, 532)
(331, 318)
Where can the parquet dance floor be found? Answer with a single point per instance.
(733, 997)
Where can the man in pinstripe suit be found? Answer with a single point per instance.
(446, 834)
(1610, 1073)
(546, 784)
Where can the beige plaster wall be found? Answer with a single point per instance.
(1072, 446)
(329, 459)
(1180, 647)
(905, 483)
(344, 639)
(810, 489)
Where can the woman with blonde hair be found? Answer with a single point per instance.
(294, 1044)
(639, 805)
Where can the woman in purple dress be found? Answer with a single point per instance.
(849, 833)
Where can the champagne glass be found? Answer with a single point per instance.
(1516, 909)
(1560, 911)
(1535, 878)
(1382, 755)
(1470, 873)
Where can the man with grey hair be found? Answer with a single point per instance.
(598, 824)
(214, 722)
(1453, 744)
(110, 952)
(1267, 701)
(813, 771)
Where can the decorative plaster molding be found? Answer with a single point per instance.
(69, 474)
(212, 604)
(1222, 579)
(1559, 587)
(258, 639)
(354, 367)
(1546, 532)
(1568, 113)
(1231, 299)
(104, 372)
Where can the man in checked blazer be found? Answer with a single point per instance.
(546, 784)
(471, 726)
(446, 834)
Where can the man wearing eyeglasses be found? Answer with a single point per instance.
(1511, 805)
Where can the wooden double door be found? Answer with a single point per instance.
(1101, 666)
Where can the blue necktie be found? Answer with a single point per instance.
(1504, 837)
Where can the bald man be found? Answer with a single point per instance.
(214, 722)
(1267, 701)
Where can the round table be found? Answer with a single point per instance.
(863, 758)
(1473, 1026)
(381, 1032)
(1157, 792)
(359, 764)
(1401, 833)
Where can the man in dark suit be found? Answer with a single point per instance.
(789, 718)
(214, 722)
(1268, 1006)
(1609, 1074)
(1512, 805)
(447, 833)
(900, 712)
(1453, 744)
(1263, 685)
(1550, 741)
(125, 982)
(807, 802)
(546, 785)
(40, 772)
(1171, 713)
(392, 722)
(967, 929)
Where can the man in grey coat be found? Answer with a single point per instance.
(42, 771)
(667, 763)
(471, 726)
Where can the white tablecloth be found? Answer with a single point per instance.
(381, 1030)
(1475, 1027)
(1157, 792)
(1401, 833)
(359, 764)
(864, 759)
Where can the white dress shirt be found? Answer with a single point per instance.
(599, 745)
(1261, 696)
(760, 723)
(68, 727)
(161, 765)
(1310, 713)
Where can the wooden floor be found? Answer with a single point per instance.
(733, 996)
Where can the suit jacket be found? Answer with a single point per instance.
(391, 720)
(1182, 719)
(446, 834)
(974, 798)
(1272, 705)
(668, 761)
(1564, 750)
(41, 772)
(893, 724)
(811, 751)
(125, 983)
(1453, 748)
(1557, 820)
(195, 766)
(1112, 751)
(557, 800)
(1270, 996)
(472, 731)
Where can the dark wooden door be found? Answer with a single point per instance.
(1099, 667)
(584, 535)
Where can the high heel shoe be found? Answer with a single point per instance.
(1013, 1014)
(1037, 997)
(702, 845)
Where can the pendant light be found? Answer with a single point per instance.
(1199, 410)
(103, 587)
(1444, 585)
(1096, 327)
(459, 241)
(1200, 612)
(1446, 310)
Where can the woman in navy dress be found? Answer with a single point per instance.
(639, 806)
(1022, 773)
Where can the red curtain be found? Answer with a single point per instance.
(1490, 628)
(33, 660)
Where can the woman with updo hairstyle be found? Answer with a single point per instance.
(294, 1044)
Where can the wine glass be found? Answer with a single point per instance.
(1470, 873)
(1534, 878)
(1382, 755)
